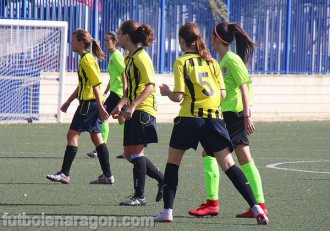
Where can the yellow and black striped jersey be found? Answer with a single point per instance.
(200, 81)
(140, 72)
(89, 75)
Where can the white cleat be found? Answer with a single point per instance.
(259, 213)
(164, 217)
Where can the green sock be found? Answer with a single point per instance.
(252, 174)
(122, 126)
(212, 177)
(105, 131)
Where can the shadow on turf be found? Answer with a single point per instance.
(30, 183)
(30, 157)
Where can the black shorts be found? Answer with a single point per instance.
(112, 101)
(140, 129)
(211, 133)
(86, 117)
(235, 125)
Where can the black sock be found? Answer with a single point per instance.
(103, 156)
(139, 176)
(171, 180)
(154, 172)
(69, 155)
(236, 175)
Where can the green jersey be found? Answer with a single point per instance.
(200, 81)
(116, 67)
(235, 74)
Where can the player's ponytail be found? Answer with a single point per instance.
(226, 32)
(87, 39)
(97, 50)
(191, 34)
(202, 50)
(139, 34)
(144, 35)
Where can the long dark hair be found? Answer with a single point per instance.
(226, 32)
(190, 33)
(143, 34)
(87, 39)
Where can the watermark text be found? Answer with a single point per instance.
(92, 222)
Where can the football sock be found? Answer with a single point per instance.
(252, 175)
(105, 131)
(154, 172)
(212, 177)
(236, 175)
(122, 126)
(139, 175)
(103, 156)
(69, 155)
(171, 180)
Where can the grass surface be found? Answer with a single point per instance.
(297, 196)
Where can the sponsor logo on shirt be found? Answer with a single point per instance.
(224, 71)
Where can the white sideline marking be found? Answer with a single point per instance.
(275, 166)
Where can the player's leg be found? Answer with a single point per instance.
(185, 135)
(135, 155)
(171, 180)
(121, 122)
(252, 174)
(103, 156)
(105, 135)
(212, 177)
(240, 139)
(140, 130)
(240, 182)
(71, 150)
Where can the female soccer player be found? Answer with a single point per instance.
(197, 83)
(236, 113)
(116, 85)
(140, 114)
(90, 112)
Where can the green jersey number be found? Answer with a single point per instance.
(202, 77)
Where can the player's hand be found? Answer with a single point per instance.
(127, 115)
(65, 107)
(115, 112)
(164, 90)
(249, 126)
(103, 114)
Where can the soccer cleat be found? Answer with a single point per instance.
(205, 210)
(59, 177)
(92, 154)
(134, 201)
(164, 217)
(121, 156)
(259, 213)
(249, 213)
(103, 180)
(262, 219)
(160, 191)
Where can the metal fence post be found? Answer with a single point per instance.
(288, 36)
(96, 20)
(162, 39)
